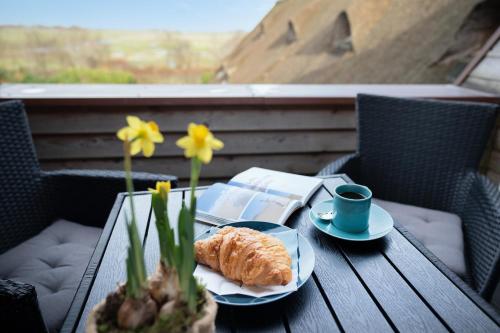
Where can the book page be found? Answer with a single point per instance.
(224, 201)
(234, 203)
(266, 207)
(294, 187)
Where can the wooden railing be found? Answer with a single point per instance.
(296, 128)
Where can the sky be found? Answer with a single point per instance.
(179, 15)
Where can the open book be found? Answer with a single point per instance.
(256, 195)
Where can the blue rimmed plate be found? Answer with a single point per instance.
(380, 223)
(305, 262)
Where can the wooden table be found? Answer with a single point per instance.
(392, 284)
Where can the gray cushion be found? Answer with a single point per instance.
(440, 232)
(53, 262)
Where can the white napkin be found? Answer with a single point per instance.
(218, 284)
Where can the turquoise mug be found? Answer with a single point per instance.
(351, 207)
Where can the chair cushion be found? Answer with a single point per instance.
(439, 231)
(54, 262)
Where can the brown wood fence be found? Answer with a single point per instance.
(291, 128)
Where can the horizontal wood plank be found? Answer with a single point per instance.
(220, 167)
(85, 120)
(108, 146)
(112, 268)
(234, 94)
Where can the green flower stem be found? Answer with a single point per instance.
(186, 233)
(195, 175)
(136, 268)
(127, 163)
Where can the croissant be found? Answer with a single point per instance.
(247, 256)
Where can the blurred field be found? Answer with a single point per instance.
(73, 55)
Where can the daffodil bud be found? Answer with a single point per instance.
(164, 189)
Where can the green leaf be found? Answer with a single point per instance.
(162, 239)
(136, 270)
(130, 275)
(137, 252)
(192, 293)
(171, 248)
(166, 235)
(184, 220)
(186, 264)
(159, 205)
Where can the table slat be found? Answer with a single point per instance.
(452, 305)
(406, 310)
(224, 321)
(267, 318)
(307, 311)
(352, 304)
(112, 268)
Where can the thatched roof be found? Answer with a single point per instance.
(356, 41)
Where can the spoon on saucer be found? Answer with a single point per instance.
(326, 216)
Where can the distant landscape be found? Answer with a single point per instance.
(297, 41)
(75, 55)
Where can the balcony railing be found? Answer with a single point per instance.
(295, 128)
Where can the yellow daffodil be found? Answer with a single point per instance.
(199, 143)
(162, 188)
(141, 135)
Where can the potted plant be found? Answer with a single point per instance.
(171, 300)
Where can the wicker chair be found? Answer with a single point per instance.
(426, 153)
(32, 199)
